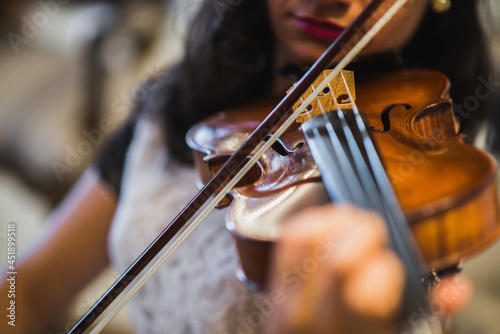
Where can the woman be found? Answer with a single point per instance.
(235, 54)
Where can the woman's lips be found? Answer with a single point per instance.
(319, 28)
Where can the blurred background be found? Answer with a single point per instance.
(69, 72)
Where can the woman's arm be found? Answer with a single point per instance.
(68, 256)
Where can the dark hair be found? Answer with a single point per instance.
(227, 62)
(228, 59)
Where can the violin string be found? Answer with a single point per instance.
(350, 163)
(306, 113)
(355, 192)
(347, 157)
(343, 192)
(362, 172)
(382, 198)
(353, 163)
(352, 166)
(384, 191)
(357, 158)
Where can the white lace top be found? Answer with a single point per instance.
(196, 290)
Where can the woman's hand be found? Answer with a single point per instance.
(339, 276)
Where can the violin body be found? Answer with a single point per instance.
(445, 187)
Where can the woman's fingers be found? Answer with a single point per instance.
(451, 295)
(337, 273)
(374, 289)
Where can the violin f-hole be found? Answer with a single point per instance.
(281, 148)
(384, 115)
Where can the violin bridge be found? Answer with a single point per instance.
(336, 94)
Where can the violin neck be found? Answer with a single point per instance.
(353, 172)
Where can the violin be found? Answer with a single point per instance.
(445, 187)
(237, 170)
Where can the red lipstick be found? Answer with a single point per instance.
(319, 28)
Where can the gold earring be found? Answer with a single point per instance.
(441, 6)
